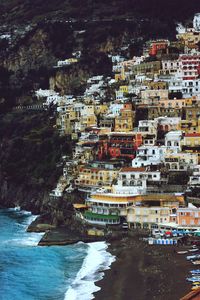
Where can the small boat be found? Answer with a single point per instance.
(190, 257)
(195, 271)
(194, 250)
(196, 262)
(182, 252)
(195, 287)
(193, 279)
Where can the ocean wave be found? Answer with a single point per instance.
(31, 241)
(26, 238)
(96, 261)
(16, 208)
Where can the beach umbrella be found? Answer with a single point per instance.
(168, 232)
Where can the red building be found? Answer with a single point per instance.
(157, 46)
(120, 145)
(190, 66)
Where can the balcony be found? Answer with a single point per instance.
(101, 219)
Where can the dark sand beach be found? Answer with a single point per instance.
(143, 271)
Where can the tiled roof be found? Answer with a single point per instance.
(130, 169)
(192, 135)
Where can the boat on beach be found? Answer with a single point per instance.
(193, 279)
(196, 262)
(197, 271)
(193, 257)
(193, 250)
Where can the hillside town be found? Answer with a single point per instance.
(136, 137)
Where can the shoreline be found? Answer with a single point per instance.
(143, 272)
(140, 270)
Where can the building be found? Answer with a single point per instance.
(148, 129)
(152, 67)
(97, 174)
(149, 156)
(191, 141)
(196, 22)
(124, 122)
(136, 179)
(157, 46)
(173, 141)
(195, 177)
(121, 145)
(167, 124)
(107, 208)
(188, 216)
(169, 67)
(148, 217)
(181, 161)
(152, 210)
(151, 94)
(132, 181)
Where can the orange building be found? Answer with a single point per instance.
(188, 216)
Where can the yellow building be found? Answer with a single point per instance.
(150, 94)
(157, 85)
(66, 121)
(110, 208)
(125, 121)
(148, 217)
(88, 117)
(101, 109)
(189, 38)
(190, 122)
(190, 126)
(120, 76)
(181, 161)
(102, 175)
(88, 121)
(124, 89)
(191, 141)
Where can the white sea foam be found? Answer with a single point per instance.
(28, 238)
(16, 208)
(31, 241)
(96, 261)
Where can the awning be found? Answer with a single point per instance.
(78, 205)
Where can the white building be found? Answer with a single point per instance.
(170, 67)
(148, 126)
(196, 22)
(182, 161)
(195, 178)
(168, 123)
(149, 155)
(115, 109)
(173, 141)
(175, 85)
(131, 181)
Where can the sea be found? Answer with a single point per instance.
(31, 272)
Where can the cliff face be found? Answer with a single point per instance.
(31, 54)
(69, 81)
(30, 152)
